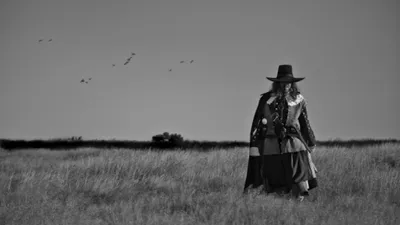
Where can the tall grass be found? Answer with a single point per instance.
(93, 186)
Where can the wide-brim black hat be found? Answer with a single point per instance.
(285, 75)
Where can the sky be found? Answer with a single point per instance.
(346, 50)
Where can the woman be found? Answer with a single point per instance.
(281, 140)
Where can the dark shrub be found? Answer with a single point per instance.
(176, 140)
(166, 140)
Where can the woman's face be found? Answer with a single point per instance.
(286, 87)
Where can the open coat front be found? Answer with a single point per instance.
(294, 115)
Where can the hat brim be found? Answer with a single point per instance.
(286, 79)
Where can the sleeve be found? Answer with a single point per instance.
(256, 118)
(306, 131)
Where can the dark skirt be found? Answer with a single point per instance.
(282, 172)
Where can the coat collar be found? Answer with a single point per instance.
(291, 101)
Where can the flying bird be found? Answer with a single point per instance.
(85, 81)
(128, 60)
(40, 40)
(50, 40)
(170, 70)
(113, 65)
(191, 61)
(182, 61)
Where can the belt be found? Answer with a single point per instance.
(290, 131)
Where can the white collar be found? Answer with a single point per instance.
(291, 101)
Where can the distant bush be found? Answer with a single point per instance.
(166, 140)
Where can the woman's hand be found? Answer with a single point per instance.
(254, 151)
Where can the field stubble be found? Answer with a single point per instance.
(93, 186)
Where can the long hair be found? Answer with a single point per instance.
(294, 89)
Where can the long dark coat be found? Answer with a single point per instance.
(297, 146)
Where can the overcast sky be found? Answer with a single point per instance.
(346, 50)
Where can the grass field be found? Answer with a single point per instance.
(93, 186)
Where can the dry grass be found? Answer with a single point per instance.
(91, 186)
